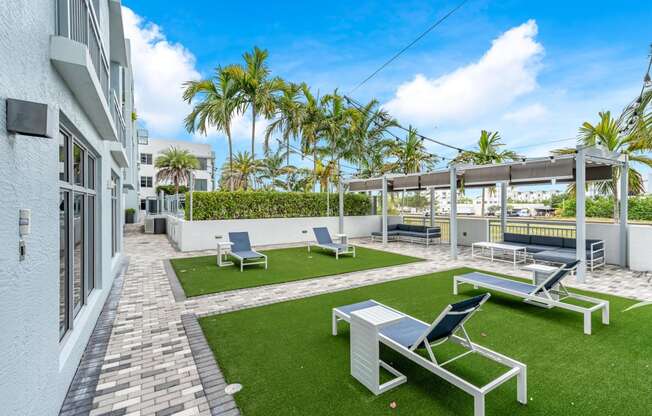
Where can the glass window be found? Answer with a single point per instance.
(90, 247)
(78, 165)
(78, 252)
(146, 158)
(63, 262)
(203, 163)
(64, 142)
(143, 204)
(146, 182)
(90, 181)
(201, 184)
(115, 219)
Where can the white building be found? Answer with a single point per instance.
(150, 149)
(67, 163)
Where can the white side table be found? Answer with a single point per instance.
(223, 251)
(541, 272)
(365, 345)
(343, 238)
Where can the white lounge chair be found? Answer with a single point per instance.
(410, 334)
(549, 294)
(325, 241)
(242, 251)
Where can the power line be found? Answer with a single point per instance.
(418, 38)
(303, 155)
(543, 144)
(359, 107)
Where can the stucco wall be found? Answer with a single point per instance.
(200, 235)
(640, 243)
(35, 368)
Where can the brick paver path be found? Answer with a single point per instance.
(148, 367)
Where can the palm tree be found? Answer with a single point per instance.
(287, 116)
(175, 165)
(488, 151)
(312, 126)
(244, 173)
(411, 155)
(272, 167)
(300, 180)
(218, 102)
(257, 89)
(336, 129)
(368, 143)
(610, 135)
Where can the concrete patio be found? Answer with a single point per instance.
(145, 359)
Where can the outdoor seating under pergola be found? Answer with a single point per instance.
(585, 165)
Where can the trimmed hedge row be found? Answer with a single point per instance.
(224, 205)
(640, 208)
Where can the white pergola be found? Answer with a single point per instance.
(585, 165)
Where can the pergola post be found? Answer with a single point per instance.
(453, 214)
(432, 207)
(340, 189)
(503, 209)
(624, 191)
(580, 213)
(192, 186)
(384, 222)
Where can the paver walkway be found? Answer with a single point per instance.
(148, 367)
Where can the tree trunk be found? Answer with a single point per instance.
(253, 130)
(287, 163)
(314, 169)
(230, 176)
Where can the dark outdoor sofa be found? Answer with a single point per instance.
(412, 233)
(557, 249)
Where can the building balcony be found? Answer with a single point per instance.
(77, 53)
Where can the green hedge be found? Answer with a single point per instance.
(640, 208)
(170, 190)
(223, 205)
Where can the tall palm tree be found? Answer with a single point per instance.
(336, 129)
(610, 135)
(312, 126)
(411, 155)
(488, 151)
(257, 89)
(272, 167)
(368, 144)
(175, 165)
(217, 102)
(300, 180)
(287, 116)
(244, 173)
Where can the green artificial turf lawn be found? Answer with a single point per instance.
(201, 276)
(289, 364)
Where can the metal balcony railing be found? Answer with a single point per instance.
(77, 20)
(544, 228)
(118, 120)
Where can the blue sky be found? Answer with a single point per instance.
(533, 70)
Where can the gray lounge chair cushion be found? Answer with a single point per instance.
(405, 332)
(240, 242)
(572, 243)
(336, 246)
(543, 240)
(516, 238)
(249, 254)
(562, 255)
(322, 235)
(533, 248)
(520, 287)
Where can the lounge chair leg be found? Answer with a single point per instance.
(587, 323)
(334, 324)
(521, 386)
(478, 405)
(455, 285)
(605, 313)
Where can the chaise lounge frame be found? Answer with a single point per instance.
(516, 368)
(542, 294)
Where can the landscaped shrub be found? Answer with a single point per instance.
(640, 208)
(170, 190)
(223, 205)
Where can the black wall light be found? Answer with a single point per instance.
(31, 119)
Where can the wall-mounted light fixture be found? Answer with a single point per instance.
(31, 119)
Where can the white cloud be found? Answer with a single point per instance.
(526, 114)
(240, 131)
(505, 72)
(160, 68)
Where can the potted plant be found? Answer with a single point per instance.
(129, 215)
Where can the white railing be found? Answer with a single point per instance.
(118, 119)
(77, 20)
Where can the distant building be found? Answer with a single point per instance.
(150, 149)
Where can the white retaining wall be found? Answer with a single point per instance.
(640, 248)
(200, 235)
